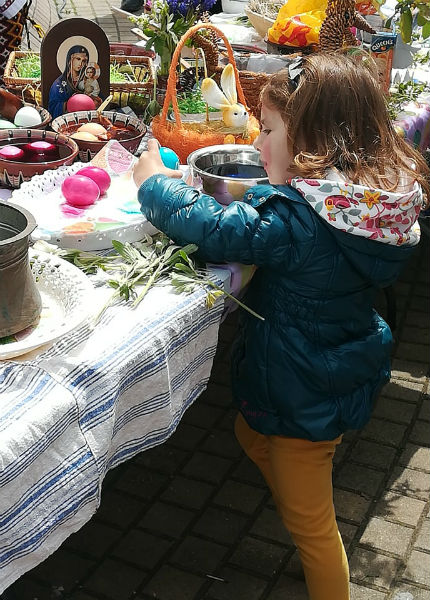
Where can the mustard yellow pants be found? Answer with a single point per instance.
(299, 475)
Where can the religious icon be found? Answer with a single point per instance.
(81, 64)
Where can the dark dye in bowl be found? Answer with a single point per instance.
(237, 170)
(59, 152)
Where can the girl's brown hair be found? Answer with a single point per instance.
(337, 117)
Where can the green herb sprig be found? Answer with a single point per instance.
(401, 94)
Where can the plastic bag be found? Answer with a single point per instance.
(298, 23)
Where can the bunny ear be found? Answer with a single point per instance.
(228, 84)
(212, 94)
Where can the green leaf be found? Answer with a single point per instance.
(426, 30)
(421, 20)
(406, 25)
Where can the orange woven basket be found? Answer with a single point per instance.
(182, 137)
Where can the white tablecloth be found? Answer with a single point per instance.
(94, 399)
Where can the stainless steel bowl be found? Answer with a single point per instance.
(225, 188)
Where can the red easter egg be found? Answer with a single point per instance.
(80, 102)
(80, 191)
(41, 147)
(11, 152)
(99, 176)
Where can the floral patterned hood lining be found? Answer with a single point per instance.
(387, 217)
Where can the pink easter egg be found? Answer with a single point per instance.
(98, 175)
(80, 102)
(41, 147)
(11, 153)
(80, 191)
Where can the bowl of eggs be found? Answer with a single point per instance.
(91, 130)
(28, 152)
(34, 117)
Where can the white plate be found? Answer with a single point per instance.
(67, 297)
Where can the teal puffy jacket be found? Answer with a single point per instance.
(314, 366)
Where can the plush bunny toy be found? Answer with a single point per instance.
(234, 115)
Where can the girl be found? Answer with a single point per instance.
(338, 222)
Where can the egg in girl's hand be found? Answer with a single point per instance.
(94, 128)
(99, 176)
(11, 152)
(80, 102)
(80, 191)
(84, 135)
(40, 147)
(27, 116)
(6, 124)
(169, 157)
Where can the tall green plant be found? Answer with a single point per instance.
(405, 10)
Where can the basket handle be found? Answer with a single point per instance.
(171, 82)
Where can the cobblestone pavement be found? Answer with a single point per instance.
(192, 519)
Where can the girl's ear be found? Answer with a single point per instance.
(213, 95)
(228, 84)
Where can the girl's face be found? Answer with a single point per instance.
(272, 143)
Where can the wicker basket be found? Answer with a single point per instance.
(185, 137)
(29, 88)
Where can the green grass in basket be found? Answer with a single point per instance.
(191, 103)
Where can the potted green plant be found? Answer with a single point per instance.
(405, 12)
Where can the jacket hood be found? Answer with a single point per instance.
(386, 217)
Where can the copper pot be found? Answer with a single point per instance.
(20, 301)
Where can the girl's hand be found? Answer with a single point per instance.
(150, 163)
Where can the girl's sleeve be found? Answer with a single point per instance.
(236, 233)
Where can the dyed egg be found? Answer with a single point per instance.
(93, 128)
(170, 159)
(40, 147)
(6, 124)
(80, 191)
(11, 153)
(27, 116)
(99, 176)
(84, 135)
(80, 102)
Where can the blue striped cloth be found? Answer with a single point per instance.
(94, 399)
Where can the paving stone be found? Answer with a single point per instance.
(424, 413)
(347, 532)
(220, 374)
(237, 585)
(368, 567)
(423, 539)
(396, 507)
(350, 506)
(141, 482)
(387, 536)
(118, 509)
(394, 410)
(201, 414)
(373, 454)
(384, 432)
(115, 580)
(249, 472)
(28, 589)
(415, 334)
(401, 590)
(258, 556)
(220, 525)
(403, 390)
(289, 588)
(197, 554)
(222, 443)
(239, 496)
(207, 467)
(341, 450)
(405, 369)
(63, 569)
(410, 483)
(417, 319)
(420, 304)
(162, 458)
(269, 525)
(413, 351)
(418, 568)
(142, 549)
(359, 479)
(420, 433)
(416, 457)
(187, 492)
(227, 422)
(359, 592)
(167, 519)
(294, 567)
(94, 539)
(187, 437)
(220, 395)
(422, 289)
(172, 584)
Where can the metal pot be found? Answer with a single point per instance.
(226, 171)
(20, 301)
